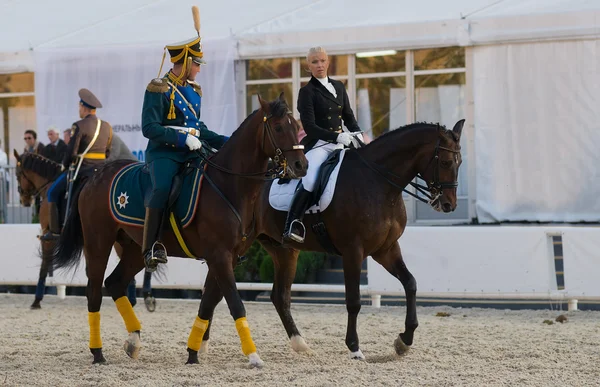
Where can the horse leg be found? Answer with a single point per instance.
(392, 261)
(284, 261)
(117, 283)
(223, 268)
(96, 261)
(352, 268)
(199, 337)
(40, 289)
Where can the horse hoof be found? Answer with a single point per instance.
(255, 361)
(133, 345)
(358, 355)
(150, 303)
(400, 347)
(298, 344)
(98, 356)
(204, 347)
(192, 357)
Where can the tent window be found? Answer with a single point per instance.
(279, 68)
(16, 83)
(268, 92)
(440, 58)
(381, 104)
(380, 62)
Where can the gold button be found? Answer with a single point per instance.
(329, 117)
(329, 108)
(339, 107)
(339, 127)
(330, 128)
(340, 117)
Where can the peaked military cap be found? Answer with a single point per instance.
(88, 99)
(191, 47)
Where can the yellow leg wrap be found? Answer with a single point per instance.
(248, 347)
(195, 340)
(94, 321)
(131, 321)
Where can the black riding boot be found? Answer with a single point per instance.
(153, 250)
(294, 230)
(53, 223)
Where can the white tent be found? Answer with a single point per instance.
(344, 26)
(532, 71)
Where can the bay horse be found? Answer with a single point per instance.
(222, 230)
(367, 217)
(35, 174)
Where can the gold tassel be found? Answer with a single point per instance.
(162, 62)
(171, 115)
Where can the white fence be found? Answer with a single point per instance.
(448, 262)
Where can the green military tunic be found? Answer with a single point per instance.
(166, 149)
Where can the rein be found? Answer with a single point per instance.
(431, 192)
(278, 171)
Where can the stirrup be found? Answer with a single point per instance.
(152, 259)
(292, 235)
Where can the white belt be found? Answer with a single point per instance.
(192, 131)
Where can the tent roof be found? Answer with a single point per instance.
(287, 28)
(45, 24)
(404, 24)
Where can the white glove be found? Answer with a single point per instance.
(192, 142)
(344, 138)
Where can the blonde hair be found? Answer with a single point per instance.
(315, 50)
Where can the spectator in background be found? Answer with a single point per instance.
(67, 136)
(33, 146)
(56, 148)
(31, 143)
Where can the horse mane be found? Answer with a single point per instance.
(405, 128)
(44, 167)
(277, 107)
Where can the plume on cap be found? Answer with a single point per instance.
(196, 15)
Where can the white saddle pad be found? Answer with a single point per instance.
(280, 196)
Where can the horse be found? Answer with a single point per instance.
(221, 232)
(35, 174)
(367, 217)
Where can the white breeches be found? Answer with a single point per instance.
(316, 157)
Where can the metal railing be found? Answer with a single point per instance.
(11, 210)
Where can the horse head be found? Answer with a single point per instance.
(34, 173)
(441, 171)
(279, 137)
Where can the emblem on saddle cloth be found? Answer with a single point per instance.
(280, 195)
(123, 200)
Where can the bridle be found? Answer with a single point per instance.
(433, 190)
(279, 170)
(34, 192)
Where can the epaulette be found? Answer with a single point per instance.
(158, 85)
(196, 87)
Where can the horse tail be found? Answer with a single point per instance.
(67, 252)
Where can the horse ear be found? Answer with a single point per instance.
(458, 127)
(16, 155)
(263, 104)
(282, 96)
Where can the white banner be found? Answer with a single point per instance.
(537, 130)
(472, 260)
(118, 76)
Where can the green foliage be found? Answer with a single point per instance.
(259, 267)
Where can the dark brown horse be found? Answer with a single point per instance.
(222, 230)
(35, 175)
(366, 217)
